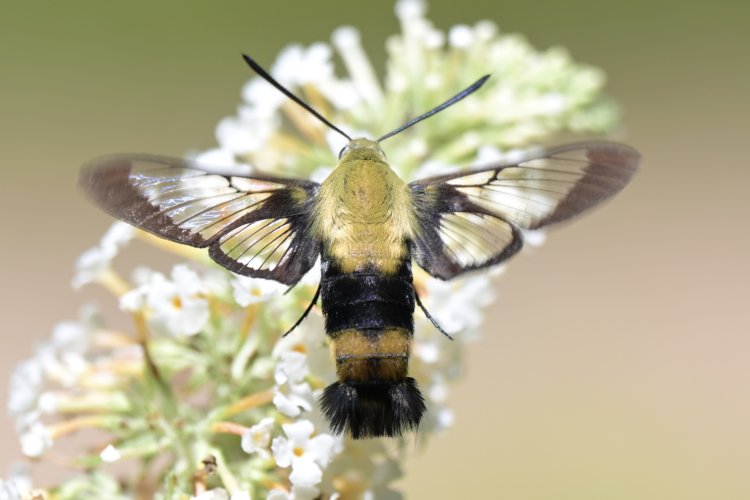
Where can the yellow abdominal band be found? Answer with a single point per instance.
(372, 355)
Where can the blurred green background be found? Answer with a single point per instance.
(615, 360)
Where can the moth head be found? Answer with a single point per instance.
(362, 149)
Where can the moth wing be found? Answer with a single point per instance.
(256, 226)
(472, 219)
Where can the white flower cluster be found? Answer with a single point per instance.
(202, 382)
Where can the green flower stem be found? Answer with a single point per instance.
(169, 402)
(227, 478)
(229, 428)
(244, 404)
(251, 314)
(113, 282)
(101, 402)
(152, 372)
(108, 422)
(302, 121)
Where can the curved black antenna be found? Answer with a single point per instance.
(437, 109)
(263, 74)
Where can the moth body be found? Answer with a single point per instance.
(364, 219)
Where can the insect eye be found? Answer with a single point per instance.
(343, 150)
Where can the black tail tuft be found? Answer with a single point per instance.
(373, 410)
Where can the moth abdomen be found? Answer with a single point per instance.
(370, 323)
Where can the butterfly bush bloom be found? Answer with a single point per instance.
(198, 379)
(257, 438)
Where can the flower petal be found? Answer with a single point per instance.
(305, 472)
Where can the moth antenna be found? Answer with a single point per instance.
(304, 314)
(472, 88)
(429, 316)
(267, 77)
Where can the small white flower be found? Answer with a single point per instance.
(217, 158)
(48, 402)
(445, 418)
(461, 36)
(308, 456)
(175, 307)
(298, 65)
(438, 389)
(95, 261)
(265, 99)
(71, 336)
(141, 275)
(292, 368)
(25, 386)
(33, 434)
(297, 493)
(255, 290)
(257, 439)
(292, 394)
(61, 365)
(278, 495)
(9, 490)
(212, 494)
(457, 305)
(428, 351)
(117, 236)
(408, 10)
(221, 494)
(90, 265)
(134, 300)
(293, 399)
(110, 454)
(17, 485)
(217, 283)
(245, 134)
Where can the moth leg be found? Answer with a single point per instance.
(304, 314)
(429, 316)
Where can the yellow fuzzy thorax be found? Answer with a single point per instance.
(363, 212)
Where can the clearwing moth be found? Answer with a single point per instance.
(366, 225)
